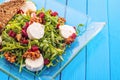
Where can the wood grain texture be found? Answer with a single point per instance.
(76, 69)
(98, 48)
(114, 31)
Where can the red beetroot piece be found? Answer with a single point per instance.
(54, 14)
(24, 33)
(11, 33)
(43, 21)
(42, 15)
(73, 36)
(0, 46)
(24, 30)
(34, 48)
(29, 50)
(26, 26)
(20, 12)
(46, 61)
(58, 26)
(24, 41)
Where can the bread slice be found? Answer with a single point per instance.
(8, 10)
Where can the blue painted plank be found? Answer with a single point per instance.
(79, 5)
(98, 48)
(39, 3)
(3, 76)
(4, 67)
(56, 5)
(62, 1)
(1, 1)
(59, 6)
(114, 30)
(76, 69)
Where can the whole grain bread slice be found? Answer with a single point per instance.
(8, 10)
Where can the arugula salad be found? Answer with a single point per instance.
(35, 38)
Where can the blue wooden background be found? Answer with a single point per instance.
(100, 59)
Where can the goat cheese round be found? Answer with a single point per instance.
(35, 31)
(66, 31)
(28, 6)
(34, 65)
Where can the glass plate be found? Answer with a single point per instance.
(88, 32)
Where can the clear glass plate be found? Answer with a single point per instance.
(88, 32)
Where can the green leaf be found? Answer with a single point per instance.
(80, 25)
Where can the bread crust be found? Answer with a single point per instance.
(8, 10)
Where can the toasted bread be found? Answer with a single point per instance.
(8, 10)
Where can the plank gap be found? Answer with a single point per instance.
(109, 39)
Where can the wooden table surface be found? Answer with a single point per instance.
(99, 60)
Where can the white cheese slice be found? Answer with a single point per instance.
(35, 31)
(28, 6)
(34, 65)
(66, 31)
